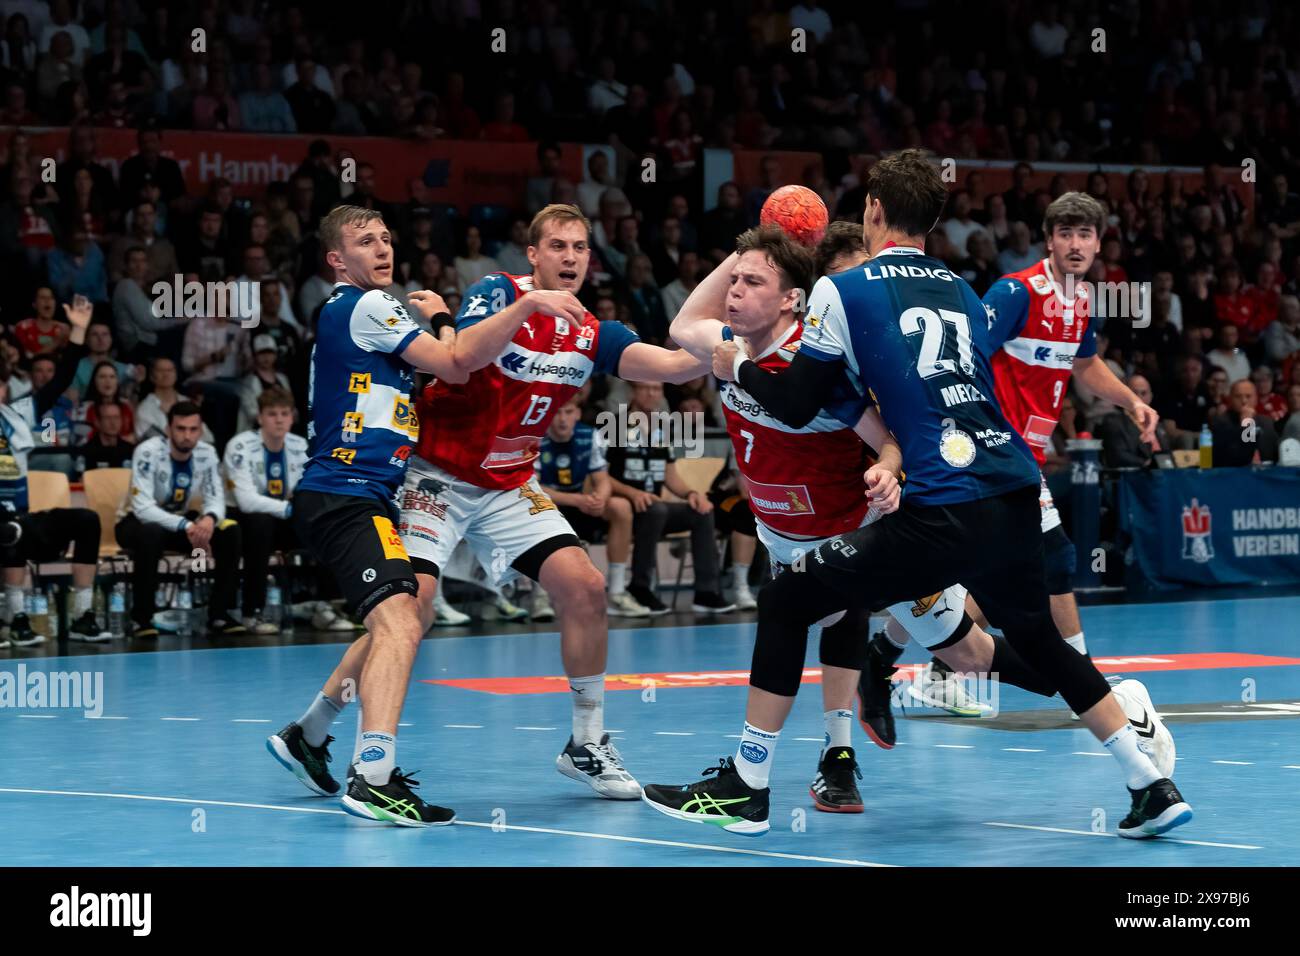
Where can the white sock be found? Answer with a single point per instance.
(588, 708)
(361, 716)
(741, 576)
(316, 722)
(1077, 643)
(1136, 765)
(15, 598)
(376, 757)
(83, 599)
(617, 577)
(754, 756)
(839, 729)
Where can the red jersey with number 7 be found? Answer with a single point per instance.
(805, 482)
(1035, 334)
(489, 430)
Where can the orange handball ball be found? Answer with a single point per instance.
(799, 211)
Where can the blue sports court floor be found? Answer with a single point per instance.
(174, 772)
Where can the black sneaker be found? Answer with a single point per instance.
(21, 633)
(87, 630)
(711, 602)
(394, 803)
(1157, 809)
(648, 599)
(725, 801)
(834, 789)
(304, 761)
(875, 691)
(225, 625)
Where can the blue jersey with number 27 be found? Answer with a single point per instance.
(915, 336)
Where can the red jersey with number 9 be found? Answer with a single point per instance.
(489, 430)
(805, 482)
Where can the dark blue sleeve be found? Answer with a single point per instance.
(487, 296)
(613, 338)
(1007, 305)
(1087, 344)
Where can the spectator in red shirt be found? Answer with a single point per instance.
(42, 332)
(1231, 303)
(503, 128)
(1264, 296)
(1268, 401)
(1111, 250)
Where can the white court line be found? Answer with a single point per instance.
(406, 725)
(180, 718)
(250, 720)
(1290, 766)
(1163, 839)
(1235, 763)
(464, 726)
(1022, 750)
(534, 728)
(956, 746)
(103, 717)
(38, 716)
(468, 823)
(674, 733)
(1088, 753)
(816, 740)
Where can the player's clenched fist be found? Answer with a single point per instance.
(563, 305)
(724, 358)
(883, 489)
(427, 303)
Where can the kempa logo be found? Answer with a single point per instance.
(53, 690)
(75, 909)
(654, 429)
(238, 301)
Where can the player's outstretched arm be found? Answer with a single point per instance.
(650, 363)
(697, 327)
(1104, 383)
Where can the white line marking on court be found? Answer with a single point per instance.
(103, 717)
(1235, 763)
(1088, 753)
(180, 718)
(534, 728)
(406, 725)
(464, 726)
(38, 716)
(250, 720)
(1022, 750)
(956, 746)
(1290, 766)
(733, 736)
(816, 740)
(468, 823)
(674, 733)
(1163, 839)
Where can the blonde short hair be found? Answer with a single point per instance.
(331, 226)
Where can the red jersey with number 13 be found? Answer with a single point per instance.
(489, 430)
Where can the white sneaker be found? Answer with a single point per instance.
(507, 611)
(1154, 737)
(541, 605)
(447, 615)
(944, 691)
(745, 600)
(324, 618)
(625, 605)
(601, 767)
(256, 625)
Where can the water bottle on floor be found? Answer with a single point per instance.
(40, 614)
(117, 611)
(274, 611)
(185, 615)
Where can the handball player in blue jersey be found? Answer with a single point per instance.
(914, 336)
(363, 427)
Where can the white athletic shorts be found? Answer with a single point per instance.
(929, 620)
(439, 511)
(1050, 516)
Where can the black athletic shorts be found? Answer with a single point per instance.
(587, 527)
(731, 514)
(356, 539)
